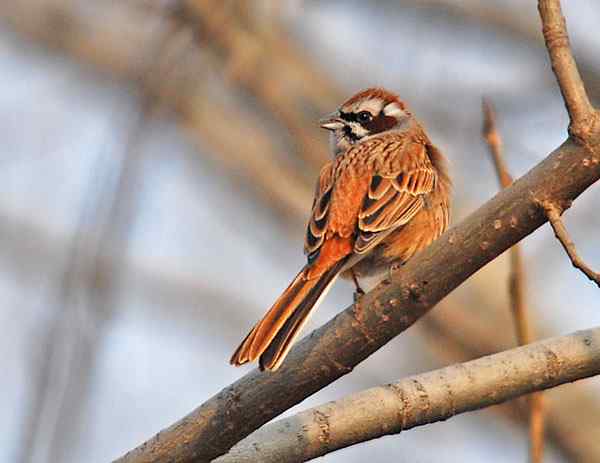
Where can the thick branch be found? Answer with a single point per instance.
(581, 112)
(423, 399)
(458, 336)
(553, 213)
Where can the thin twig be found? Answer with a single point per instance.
(422, 399)
(516, 285)
(553, 213)
(554, 28)
(537, 418)
(494, 142)
(517, 275)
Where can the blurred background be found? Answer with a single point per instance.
(157, 168)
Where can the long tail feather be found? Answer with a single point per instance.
(273, 336)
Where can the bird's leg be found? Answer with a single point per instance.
(358, 292)
(394, 268)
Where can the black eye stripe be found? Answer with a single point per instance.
(361, 117)
(350, 117)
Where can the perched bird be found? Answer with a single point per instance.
(383, 197)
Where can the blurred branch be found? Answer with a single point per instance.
(553, 213)
(119, 201)
(72, 338)
(422, 399)
(287, 81)
(516, 285)
(158, 285)
(60, 344)
(494, 142)
(115, 45)
(108, 219)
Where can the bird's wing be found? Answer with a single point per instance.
(319, 218)
(396, 192)
(364, 194)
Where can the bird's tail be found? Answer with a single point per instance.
(271, 338)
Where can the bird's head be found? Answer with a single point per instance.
(370, 112)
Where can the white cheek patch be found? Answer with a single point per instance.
(393, 109)
(358, 130)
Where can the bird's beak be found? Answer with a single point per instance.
(332, 122)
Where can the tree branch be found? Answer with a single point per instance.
(457, 336)
(517, 277)
(553, 213)
(516, 286)
(422, 399)
(494, 142)
(337, 347)
(581, 111)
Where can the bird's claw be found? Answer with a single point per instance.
(358, 293)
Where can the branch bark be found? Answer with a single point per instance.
(581, 111)
(422, 399)
(459, 337)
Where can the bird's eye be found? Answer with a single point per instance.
(364, 116)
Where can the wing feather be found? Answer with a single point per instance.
(401, 173)
(317, 224)
(395, 196)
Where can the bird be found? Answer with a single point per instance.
(383, 197)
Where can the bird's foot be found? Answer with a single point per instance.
(358, 293)
(395, 268)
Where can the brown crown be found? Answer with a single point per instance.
(375, 92)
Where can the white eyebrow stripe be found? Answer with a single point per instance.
(373, 105)
(393, 109)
